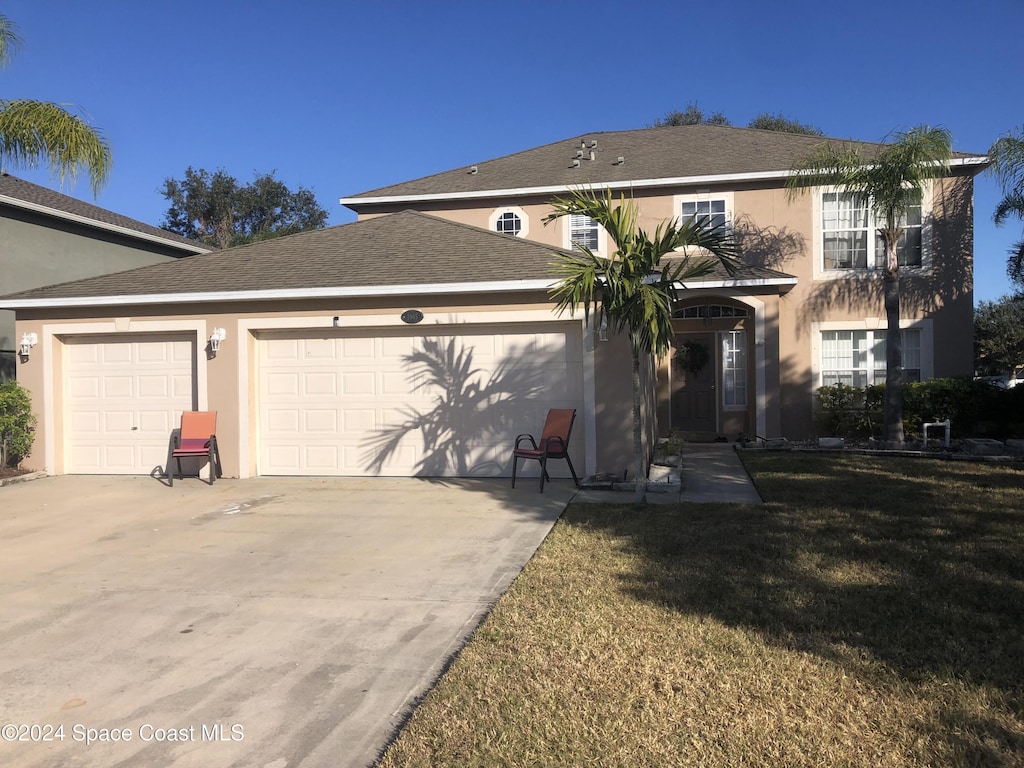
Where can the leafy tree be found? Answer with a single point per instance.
(213, 208)
(778, 122)
(38, 132)
(999, 336)
(766, 121)
(891, 183)
(692, 115)
(633, 289)
(1008, 166)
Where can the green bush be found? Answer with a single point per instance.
(17, 424)
(974, 408)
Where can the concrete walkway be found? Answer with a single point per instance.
(712, 472)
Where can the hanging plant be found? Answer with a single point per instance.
(692, 356)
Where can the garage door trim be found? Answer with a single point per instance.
(249, 328)
(52, 334)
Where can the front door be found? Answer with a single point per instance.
(693, 391)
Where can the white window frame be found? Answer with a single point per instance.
(567, 243)
(722, 340)
(498, 213)
(875, 325)
(701, 196)
(846, 273)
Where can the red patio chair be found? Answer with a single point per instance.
(197, 438)
(554, 444)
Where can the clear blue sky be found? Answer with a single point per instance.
(342, 97)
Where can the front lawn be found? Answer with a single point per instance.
(870, 613)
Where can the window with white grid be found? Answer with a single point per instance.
(583, 232)
(850, 239)
(734, 368)
(508, 223)
(857, 358)
(713, 211)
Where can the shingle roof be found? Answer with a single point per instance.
(37, 196)
(651, 153)
(402, 249)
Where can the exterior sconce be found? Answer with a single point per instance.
(602, 332)
(216, 338)
(28, 340)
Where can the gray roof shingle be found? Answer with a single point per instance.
(649, 153)
(402, 249)
(19, 189)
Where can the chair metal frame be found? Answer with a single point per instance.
(192, 441)
(553, 444)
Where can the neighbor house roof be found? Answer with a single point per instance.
(32, 197)
(402, 253)
(687, 154)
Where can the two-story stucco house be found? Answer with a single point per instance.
(420, 339)
(47, 237)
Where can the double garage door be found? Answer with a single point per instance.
(445, 403)
(448, 403)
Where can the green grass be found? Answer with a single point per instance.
(869, 614)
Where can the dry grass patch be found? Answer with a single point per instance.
(870, 613)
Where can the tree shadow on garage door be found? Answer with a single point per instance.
(476, 411)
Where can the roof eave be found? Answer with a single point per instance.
(96, 224)
(977, 164)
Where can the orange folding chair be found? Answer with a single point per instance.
(197, 438)
(554, 444)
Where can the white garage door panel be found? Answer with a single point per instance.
(391, 403)
(123, 397)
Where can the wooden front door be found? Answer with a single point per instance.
(694, 404)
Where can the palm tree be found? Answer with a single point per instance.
(1008, 166)
(38, 132)
(891, 183)
(632, 290)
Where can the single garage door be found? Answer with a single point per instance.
(123, 396)
(445, 404)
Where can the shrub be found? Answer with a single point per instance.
(973, 408)
(17, 424)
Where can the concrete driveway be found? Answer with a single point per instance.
(271, 622)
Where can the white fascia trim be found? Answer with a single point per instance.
(96, 224)
(282, 293)
(561, 188)
(750, 283)
(723, 178)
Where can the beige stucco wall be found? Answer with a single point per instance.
(780, 233)
(231, 376)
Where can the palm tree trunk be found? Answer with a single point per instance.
(893, 410)
(640, 498)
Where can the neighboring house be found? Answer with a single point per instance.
(47, 238)
(421, 342)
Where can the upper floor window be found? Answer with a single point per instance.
(583, 231)
(850, 238)
(712, 210)
(510, 220)
(508, 224)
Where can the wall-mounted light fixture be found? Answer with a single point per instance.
(28, 340)
(218, 335)
(602, 332)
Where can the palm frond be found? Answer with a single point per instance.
(1007, 155)
(38, 132)
(10, 41)
(1011, 205)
